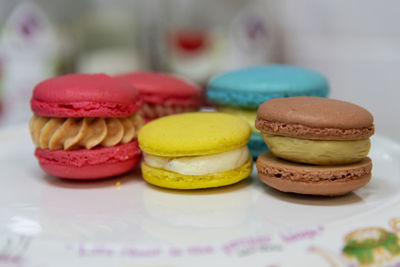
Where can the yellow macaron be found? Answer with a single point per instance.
(195, 150)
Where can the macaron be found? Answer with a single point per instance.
(195, 150)
(318, 146)
(85, 126)
(164, 94)
(241, 91)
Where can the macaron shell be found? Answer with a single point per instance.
(251, 99)
(250, 87)
(162, 88)
(90, 164)
(320, 189)
(84, 95)
(292, 177)
(175, 180)
(192, 134)
(84, 109)
(90, 172)
(315, 112)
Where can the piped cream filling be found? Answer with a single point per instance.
(319, 152)
(74, 133)
(200, 165)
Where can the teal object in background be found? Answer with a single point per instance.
(248, 88)
(252, 86)
(256, 145)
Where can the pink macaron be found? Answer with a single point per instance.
(164, 94)
(85, 126)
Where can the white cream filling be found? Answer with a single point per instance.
(200, 165)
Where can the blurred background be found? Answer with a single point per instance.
(356, 44)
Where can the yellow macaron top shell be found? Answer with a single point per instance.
(193, 134)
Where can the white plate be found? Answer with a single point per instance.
(46, 221)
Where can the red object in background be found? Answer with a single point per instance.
(190, 40)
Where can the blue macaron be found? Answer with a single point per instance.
(252, 86)
(247, 88)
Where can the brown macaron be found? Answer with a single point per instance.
(322, 145)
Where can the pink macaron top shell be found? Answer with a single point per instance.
(162, 88)
(84, 95)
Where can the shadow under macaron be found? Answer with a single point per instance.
(313, 200)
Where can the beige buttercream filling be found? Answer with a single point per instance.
(73, 133)
(319, 152)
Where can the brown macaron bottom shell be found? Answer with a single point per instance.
(298, 178)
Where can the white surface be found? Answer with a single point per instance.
(46, 221)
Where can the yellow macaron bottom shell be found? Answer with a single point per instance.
(199, 165)
(248, 115)
(174, 180)
(318, 152)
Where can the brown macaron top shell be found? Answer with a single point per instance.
(293, 177)
(314, 118)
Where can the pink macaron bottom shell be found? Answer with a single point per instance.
(100, 162)
(84, 109)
